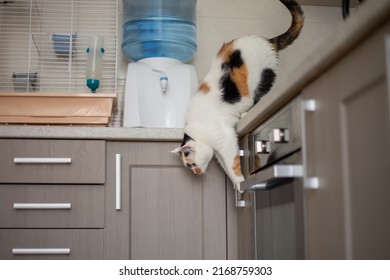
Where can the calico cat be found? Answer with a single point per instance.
(242, 72)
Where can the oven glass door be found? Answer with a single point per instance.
(279, 226)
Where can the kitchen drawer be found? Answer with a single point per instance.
(52, 161)
(38, 244)
(51, 206)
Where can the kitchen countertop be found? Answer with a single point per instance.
(78, 132)
(371, 15)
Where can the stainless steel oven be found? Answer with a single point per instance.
(276, 167)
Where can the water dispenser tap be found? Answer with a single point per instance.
(164, 83)
(163, 80)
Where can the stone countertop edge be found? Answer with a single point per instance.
(96, 133)
(355, 29)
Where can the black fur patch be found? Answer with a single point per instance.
(186, 138)
(230, 92)
(266, 82)
(235, 60)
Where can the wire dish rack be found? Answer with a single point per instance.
(43, 44)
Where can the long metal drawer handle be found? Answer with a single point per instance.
(42, 160)
(39, 206)
(260, 180)
(41, 251)
(118, 182)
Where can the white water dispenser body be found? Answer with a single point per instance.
(157, 93)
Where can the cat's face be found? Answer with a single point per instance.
(195, 156)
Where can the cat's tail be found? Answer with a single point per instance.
(287, 38)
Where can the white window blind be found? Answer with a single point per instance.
(43, 44)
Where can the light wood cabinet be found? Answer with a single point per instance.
(36, 244)
(52, 199)
(348, 139)
(52, 161)
(51, 206)
(166, 211)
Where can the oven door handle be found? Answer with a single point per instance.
(274, 174)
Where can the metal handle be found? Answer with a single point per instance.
(41, 206)
(237, 195)
(118, 183)
(263, 147)
(263, 179)
(43, 160)
(238, 199)
(387, 47)
(308, 182)
(281, 135)
(41, 251)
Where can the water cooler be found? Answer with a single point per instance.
(159, 37)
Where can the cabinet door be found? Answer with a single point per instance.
(245, 215)
(166, 211)
(348, 150)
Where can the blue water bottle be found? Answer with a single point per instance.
(159, 28)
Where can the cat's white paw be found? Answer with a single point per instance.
(238, 188)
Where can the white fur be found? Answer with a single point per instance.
(211, 122)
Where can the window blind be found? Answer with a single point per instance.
(43, 44)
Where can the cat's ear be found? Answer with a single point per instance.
(186, 149)
(176, 150)
(182, 149)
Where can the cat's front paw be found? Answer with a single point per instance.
(243, 114)
(237, 187)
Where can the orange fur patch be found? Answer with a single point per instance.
(204, 87)
(197, 171)
(225, 51)
(240, 78)
(237, 166)
(238, 75)
(257, 162)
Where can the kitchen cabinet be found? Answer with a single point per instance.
(69, 162)
(39, 244)
(348, 149)
(346, 146)
(245, 215)
(157, 209)
(52, 199)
